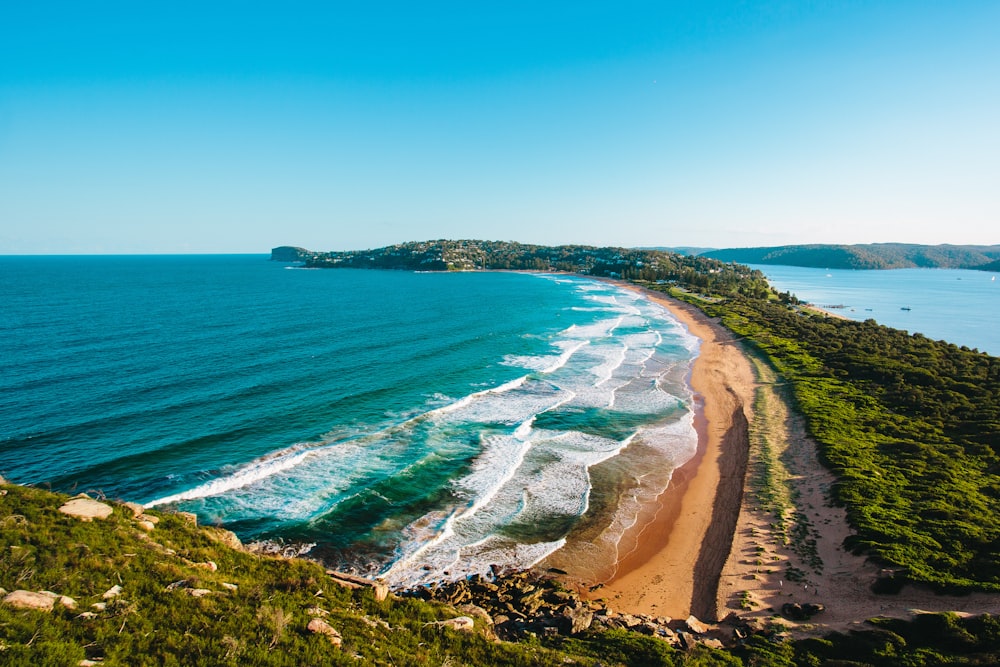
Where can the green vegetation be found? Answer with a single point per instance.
(628, 264)
(157, 620)
(869, 256)
(257, 608)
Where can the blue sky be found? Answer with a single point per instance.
(235, 127)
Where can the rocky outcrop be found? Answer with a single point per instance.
(521, 604)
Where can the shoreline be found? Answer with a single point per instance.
(681, 540)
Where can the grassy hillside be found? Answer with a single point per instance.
(910, 426)
(174, 594)
(175, 609)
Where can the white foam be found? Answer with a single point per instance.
(253, 472)
(564, 358)
(466, 400)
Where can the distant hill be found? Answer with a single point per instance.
(680, 250)
(868, 256)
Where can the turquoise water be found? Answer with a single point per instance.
(402, 423)
(961, 307)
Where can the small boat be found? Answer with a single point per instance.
(905, 308)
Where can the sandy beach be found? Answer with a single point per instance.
(681, 541)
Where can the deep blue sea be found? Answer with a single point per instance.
(961, 307)
(405, 423)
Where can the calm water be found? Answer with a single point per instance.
(400, 421)
(961, 307)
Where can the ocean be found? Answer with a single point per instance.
(418, 426)
(958, 306)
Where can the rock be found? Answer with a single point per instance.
(649, 628)
(577, 619)
(230, 587)
(226, 537)
(136, 509)
(459, 623)
(208, 565)
(376, 623)
(87, 615)
(318, 626)
(86, 509)
(793, 611)
(88, 663)
(630, 621)
(317, 612)
(695, 626)
(112, 592)
(30, 600)
(146, 525)
(67, 602)
(381, 591)
(99, 606)
(198, 592)
(712, 643)
(150, 518)
(190, 517)
(477, 612)
(810, 609)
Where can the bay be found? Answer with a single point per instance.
(958, 306)
(404, 423)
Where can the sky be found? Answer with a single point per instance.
(239, 126)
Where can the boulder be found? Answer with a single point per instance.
(318, 626)
(136, 509)
(695, 626)
(146, 525)
(577, 619)
(208, 565)
(810, 609)
(226, 537)
(30, 600)
(793, 611)
(87, 615)
(198, 592)
(112, 592)
(86, 509)
(381, 591)
(459, 623)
